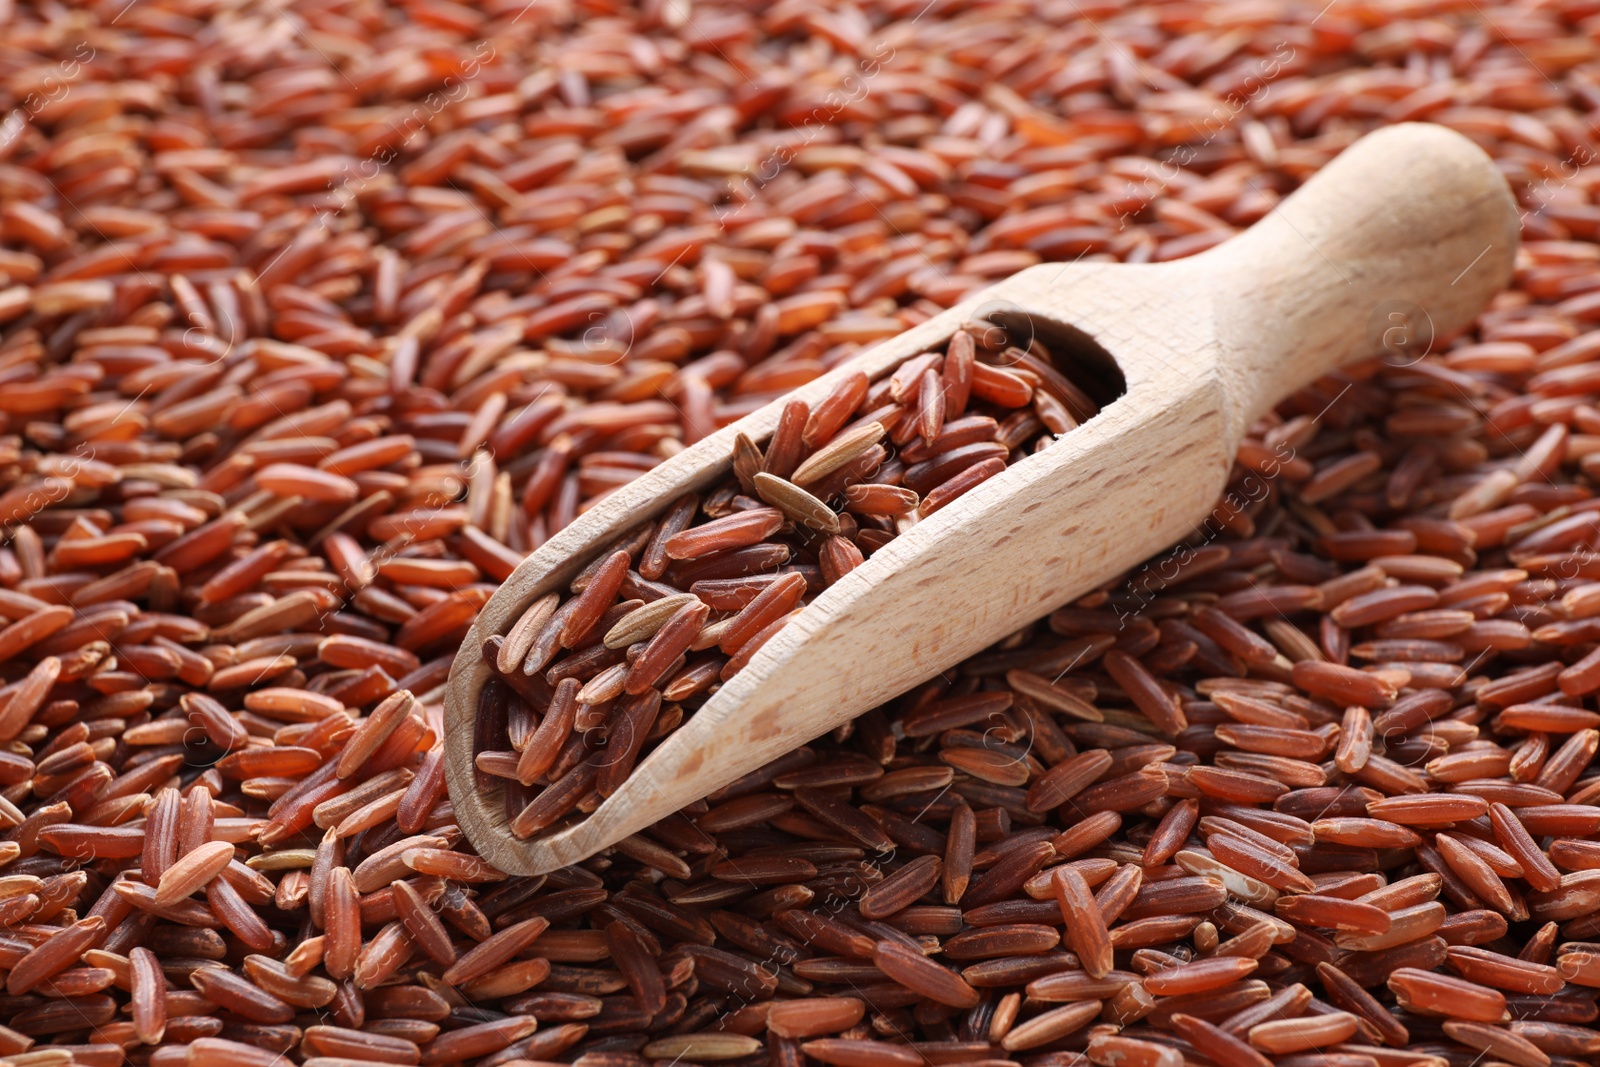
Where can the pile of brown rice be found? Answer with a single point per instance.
(316, 317)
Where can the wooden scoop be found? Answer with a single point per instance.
(1401, 239)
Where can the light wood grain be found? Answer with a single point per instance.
(1411, 216)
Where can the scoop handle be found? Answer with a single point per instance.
(1391, 247)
